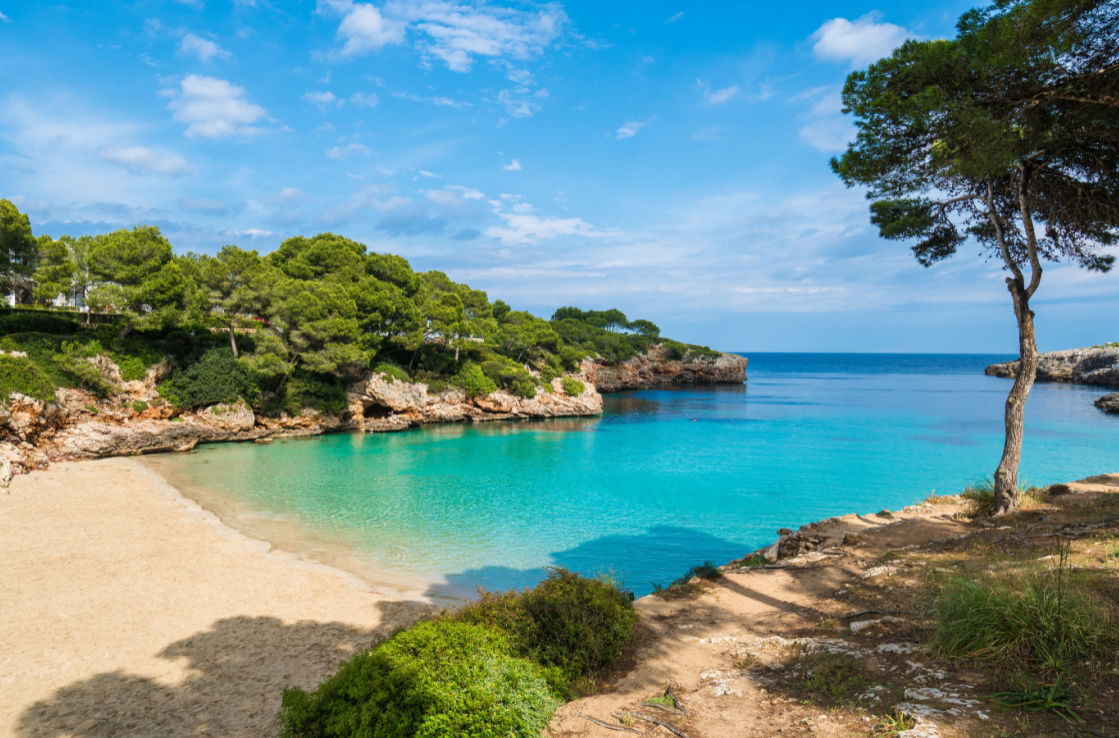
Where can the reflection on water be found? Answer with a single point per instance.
(665, 479)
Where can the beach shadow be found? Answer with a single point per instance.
(236, 673)
(658, 556)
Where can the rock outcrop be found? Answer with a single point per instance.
(1109, 403)
(658, 367)
(382, 403)
(1098, 366)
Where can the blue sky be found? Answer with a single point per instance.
(668, 159)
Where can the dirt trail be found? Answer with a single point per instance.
(739, 650)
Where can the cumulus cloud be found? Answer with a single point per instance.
(364, 99)
(343, 152)
(521, 104)
(676, 17)
(522, 226)
(513, 166)
(201, 48)
(141, 160)
(4, 18)
(214, 108)
(323, 100)
(630, 129)
(449, 32)
(857, 42)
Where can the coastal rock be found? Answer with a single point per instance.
(659, 366)
(5, 473)
(96, 439)
(237, 417)
(1098, 365)
(110, 372)
(1109, 403)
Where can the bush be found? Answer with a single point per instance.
(216, 376)
(1047, 618)
(21, 375)
(573, 626)
(139, 406)
(475, 383)
(442, 678)
(394, 371)
(73, 359)
(37, 321)
(980, 497)
(308, 390)
(510, 375)
(572, 387)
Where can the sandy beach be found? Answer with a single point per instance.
(128, 610)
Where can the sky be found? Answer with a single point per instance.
(668, 159)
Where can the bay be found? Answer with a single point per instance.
(665, 479)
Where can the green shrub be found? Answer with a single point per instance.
(574, 626)
(473, 382)
(73, 359)
(979, 498)
(510, 376)
(139, 406)
(394, 371)
(23, 376)
(437, 679)
(37, 321)
(572, 387)
(1047, 618)
(216, 376)
(308, 390)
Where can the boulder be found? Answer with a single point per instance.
(237, 417)
(5, 473)
(1109, 403)
(110, 372)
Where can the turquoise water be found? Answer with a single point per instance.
(663, 480)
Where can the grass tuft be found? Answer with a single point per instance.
(979, 498)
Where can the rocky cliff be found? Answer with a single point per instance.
(1097, 365)
(660, 366)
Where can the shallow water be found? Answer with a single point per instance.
(663, 480)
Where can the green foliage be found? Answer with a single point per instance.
(574, 626)
(18, 251)
(392, 370)
(980, 497)
(756, 560)
(572, 387)
(304, 390)
(74, 359)
(896, 722)
(21, 375)
(436, 679)
(474, 382)
(510, 376)
(1044, 618)
(211, 378)
(36, 321)
(1028, 695)
(139, 406)
(837, 679)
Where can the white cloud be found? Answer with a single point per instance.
(676, 17)
(214, 108)
(323, 100)
(719, 96)
(519, 104)
(339, 152)
(513, 166)
(364, 200)
(467, 193)
(4, 18)
(140, 160)
(364, 99)
(859, 42)
(201, 48)
(524, 228)
(450, 32)
(442, 101)
(425, 173)
(710, 133)
(363, 28)
(630, 129)
(254, 233)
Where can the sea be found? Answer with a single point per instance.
(665, 479)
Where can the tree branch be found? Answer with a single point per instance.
(1004, 249)
(1028, 226)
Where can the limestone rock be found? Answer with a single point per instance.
(1109, 403)
(1098, 366)
(110, 372)
(5, 473)
(657, 367)
(236, 417)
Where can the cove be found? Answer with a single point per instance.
(663, 480)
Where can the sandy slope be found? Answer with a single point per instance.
(126, 610)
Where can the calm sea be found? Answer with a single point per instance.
(665, 479)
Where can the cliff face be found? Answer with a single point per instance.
(657, 368)
(1098, 366)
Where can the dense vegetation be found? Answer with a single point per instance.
(498, 667)
(283, 331)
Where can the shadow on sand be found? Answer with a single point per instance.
(236, 672)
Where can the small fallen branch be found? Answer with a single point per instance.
(608, 726)
(860, 613)
(663, 723)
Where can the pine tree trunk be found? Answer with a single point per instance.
(1006, 476)
(232, 341)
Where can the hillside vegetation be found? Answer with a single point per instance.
(287, 330)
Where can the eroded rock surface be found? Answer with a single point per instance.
(1109, 403)
(657, 368)
(1099, 366)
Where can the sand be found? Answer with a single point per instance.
(128, 610)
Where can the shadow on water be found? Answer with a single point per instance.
(659, 555)
(237, 671)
